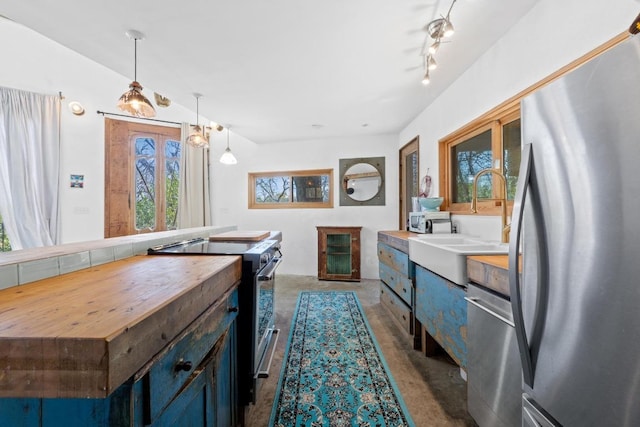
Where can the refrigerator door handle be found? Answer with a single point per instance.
(514, 255)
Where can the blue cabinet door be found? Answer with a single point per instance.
(442, 310)
(225, 382)
(122, 408)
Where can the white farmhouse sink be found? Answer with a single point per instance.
(446, 254)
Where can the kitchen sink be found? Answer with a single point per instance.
(446, 254)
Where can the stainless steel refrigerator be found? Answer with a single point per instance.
(576, 224)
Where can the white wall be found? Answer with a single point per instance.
(553, 34)
(51, 68)
(550, 36)
(298, 226)
(39, 65)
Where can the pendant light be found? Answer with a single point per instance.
(227, 157)
(196, 138)
(133, 101)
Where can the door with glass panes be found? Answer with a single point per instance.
(142, 170)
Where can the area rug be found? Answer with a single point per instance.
(333, 372)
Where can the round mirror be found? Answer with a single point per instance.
(362, 181)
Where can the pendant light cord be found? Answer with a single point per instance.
(135, 59)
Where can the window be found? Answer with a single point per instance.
(142, 176)
(5, 246)
(492, 142)
(149, 164)
(291, 189)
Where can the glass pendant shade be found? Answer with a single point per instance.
(135, 103)
(228, 158)
(197, 139)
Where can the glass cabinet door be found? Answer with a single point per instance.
(339, 253)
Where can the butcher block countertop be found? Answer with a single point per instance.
(85, 333)
(491, 271)
(396, 238)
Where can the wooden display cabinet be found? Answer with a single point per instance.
(339, 253)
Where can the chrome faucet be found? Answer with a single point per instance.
(506, 228)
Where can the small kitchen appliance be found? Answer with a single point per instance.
(430, 222)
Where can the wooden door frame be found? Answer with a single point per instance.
(410, 147)
(119, 159)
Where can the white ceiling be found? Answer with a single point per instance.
(272, 69)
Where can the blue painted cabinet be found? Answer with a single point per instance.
(192, 382)
(442, 310)
(396, 285)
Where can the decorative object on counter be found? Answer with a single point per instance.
(362, 181)
(227, 157)
(430, 204)
(438, 29)
(133, 101)
(333, 372)
(197, 138)
(425, 185)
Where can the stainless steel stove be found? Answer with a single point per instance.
(256, 293)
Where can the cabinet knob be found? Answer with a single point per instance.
(183, 365)
(233, 309)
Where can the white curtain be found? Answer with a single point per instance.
(194, 207)
(29, 167)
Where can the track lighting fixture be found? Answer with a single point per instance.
(431, 63)
(434, 47)
(438, 29)
(426, 79)
(133, 101)
(196, 138)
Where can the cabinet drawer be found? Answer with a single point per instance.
(400, 284)
(397, 307)
(396, 259)
(442, 310)
(181, 358)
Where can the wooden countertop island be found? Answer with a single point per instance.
(85, 333)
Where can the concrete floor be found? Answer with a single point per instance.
(432, 388)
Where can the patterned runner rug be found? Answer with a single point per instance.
(333, 372)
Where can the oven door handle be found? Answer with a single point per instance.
(265, 373)
(268, 271)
